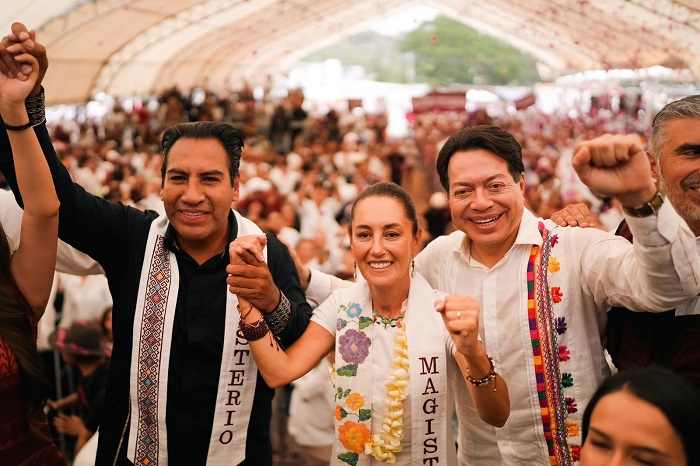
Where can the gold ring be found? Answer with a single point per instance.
(459, 314)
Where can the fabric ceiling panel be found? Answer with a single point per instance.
(69, 79)
(230, 56)
(183, 35)
(99, 39)
(143, 46)
(33, 13)
(658, 22)
(98, 31)
(131, 79)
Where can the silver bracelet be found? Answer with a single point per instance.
(277, 319)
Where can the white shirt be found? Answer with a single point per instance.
(597, 271)
(285, 180)
(84, 298)
(312, 407)
(383, 344)
(313, 218)
(68, 260)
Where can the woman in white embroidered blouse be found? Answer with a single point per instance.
(396, 357)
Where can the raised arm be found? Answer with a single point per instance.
(277, 365)
(95, 226)
(662, 268)
(34, 262)
(488, 389)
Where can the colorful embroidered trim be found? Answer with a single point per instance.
(353, 347)
(545, 351)
(149, 355)
(352, 350)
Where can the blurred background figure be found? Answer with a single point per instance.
(82, 346)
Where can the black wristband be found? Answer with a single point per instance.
(17, 128)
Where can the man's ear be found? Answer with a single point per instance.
(654, 167)
(236, 190)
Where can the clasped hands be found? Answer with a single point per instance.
(248, 275)
(23, 64)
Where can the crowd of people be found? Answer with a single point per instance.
(243, 243)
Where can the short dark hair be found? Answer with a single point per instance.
(674, 396)
(229, 137)
(486, 137)
(390, 190)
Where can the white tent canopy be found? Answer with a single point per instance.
(138, 47)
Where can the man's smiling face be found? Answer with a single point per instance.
(678, 168)
(485, 202)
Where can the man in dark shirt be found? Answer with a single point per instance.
(200, 181)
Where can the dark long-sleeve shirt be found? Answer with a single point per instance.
(115, 235)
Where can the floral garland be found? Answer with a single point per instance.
(385, 445)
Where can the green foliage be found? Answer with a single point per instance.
(348, 370)
(349, 458)
(365, 414)
(444, 51)
(448, 52)
(378, 54)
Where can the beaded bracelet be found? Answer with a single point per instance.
(277, 319)
(36, 108)
(485, 380)
(254, 332)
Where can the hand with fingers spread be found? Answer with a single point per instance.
(461, 317)
(249, 277)
(574, 215)
(616, 166)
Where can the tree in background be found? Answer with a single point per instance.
(443, 51)
(447, 51)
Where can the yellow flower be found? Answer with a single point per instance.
(354, 436)
(355, 401)
(572, 429)
(553, 265)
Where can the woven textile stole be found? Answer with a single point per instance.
(353, 376)
(150, 361)
(545, 350)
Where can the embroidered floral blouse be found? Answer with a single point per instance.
(589, 272)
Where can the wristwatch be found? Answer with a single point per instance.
(647, 209)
